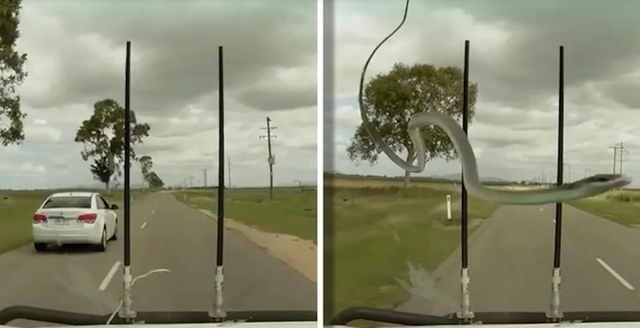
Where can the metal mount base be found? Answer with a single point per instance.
(129, 318)
(465, 317)
(555, 317)
(217, 315)
(555, 314)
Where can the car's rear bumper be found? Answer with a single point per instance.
(88, 234)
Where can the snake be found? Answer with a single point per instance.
(583, 188)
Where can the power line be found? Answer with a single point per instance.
(271, 159)
(618, 160)
(622, 152)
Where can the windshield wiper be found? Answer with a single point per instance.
(151, 317)
(494, 318)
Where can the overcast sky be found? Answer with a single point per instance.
(76, 52)
(514, 59)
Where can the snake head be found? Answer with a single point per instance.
(600, 183)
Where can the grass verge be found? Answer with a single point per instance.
(290, 211)
(618, 206)
(17, 209)
(378, 230)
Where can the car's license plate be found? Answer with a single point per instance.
(61, 222)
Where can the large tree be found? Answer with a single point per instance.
(12, 74)
(154, 181)
(391, 99)
(103, 135)
(146, 163)
(102, 170)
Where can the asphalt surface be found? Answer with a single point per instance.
(165, 234)
(511, 260)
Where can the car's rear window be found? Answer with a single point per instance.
(68, 202)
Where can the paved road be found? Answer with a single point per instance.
(165, 234)
(511, 258)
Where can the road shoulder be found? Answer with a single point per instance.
(297, 253)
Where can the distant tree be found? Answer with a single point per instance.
(154, 181)
(391, 99)
(103, 134)
(146, 163)
(12, 73)
(102, 171)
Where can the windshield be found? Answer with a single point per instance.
(70, 254)
(396, 238)
(71, 202)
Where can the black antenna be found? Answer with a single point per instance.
(465, 310)
(555, 312)
(127, 161)
(217, 314)
(127, 313)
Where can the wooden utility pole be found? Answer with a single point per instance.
(271, 159)
(622, 152)
(618, 147)
(615, 153)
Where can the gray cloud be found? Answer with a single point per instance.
(175, 50)
(595, 35)
(521, 69)
(270, 98)
(76, 55)
(625, 93)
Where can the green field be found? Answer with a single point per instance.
(17, 209)
(379, 226)
(618, 206)
(290, 212)
(378, 229)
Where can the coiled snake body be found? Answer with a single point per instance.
(583, 188)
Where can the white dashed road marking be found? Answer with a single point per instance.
(110, 274)
(143, 225)
(615, 274)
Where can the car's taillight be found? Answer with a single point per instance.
(37, 218)
(87, 218)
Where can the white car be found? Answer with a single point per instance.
(75, 218)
